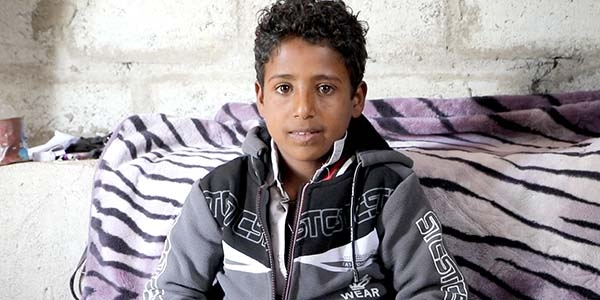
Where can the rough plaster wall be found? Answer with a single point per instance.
(43, 227)
(80, 66)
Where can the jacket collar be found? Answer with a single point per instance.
(360, 136)
(336, 154)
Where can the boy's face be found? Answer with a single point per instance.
(307, 100)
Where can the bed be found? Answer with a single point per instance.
(514, 179)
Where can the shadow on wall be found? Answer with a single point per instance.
(33, 36)
(49, 23)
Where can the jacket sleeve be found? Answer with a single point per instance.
(412, 247)
(192, 255)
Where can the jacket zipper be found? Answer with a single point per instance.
(293, 243)
(267, 243)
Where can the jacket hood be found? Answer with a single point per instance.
(257, 141)
(362, 136)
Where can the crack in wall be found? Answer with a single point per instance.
(545, 68)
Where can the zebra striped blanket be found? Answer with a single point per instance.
(514, 179)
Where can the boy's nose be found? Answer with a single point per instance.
(304, 105)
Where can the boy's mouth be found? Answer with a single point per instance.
(307, 131)
(304, 134)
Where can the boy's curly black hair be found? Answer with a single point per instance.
(328, 22)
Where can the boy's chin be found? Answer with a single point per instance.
(304, 156)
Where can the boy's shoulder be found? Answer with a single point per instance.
(227, 173)
(391, 159)
(385, 168)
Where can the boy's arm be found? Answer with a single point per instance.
(413, 250)
(192, 255)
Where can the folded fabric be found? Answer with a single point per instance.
(54, 147)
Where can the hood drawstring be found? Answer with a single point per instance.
(353, 221)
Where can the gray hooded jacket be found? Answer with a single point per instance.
(367, 234)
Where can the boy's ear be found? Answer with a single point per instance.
(358, 100)
(259, 97)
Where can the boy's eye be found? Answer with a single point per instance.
(283, 89)
(325, 89)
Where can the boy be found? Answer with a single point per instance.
(320, 207)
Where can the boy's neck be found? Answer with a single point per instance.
(303, 172)
(294, 174)
(294, 177)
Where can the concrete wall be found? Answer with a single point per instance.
(44, 215)
(79, 66)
